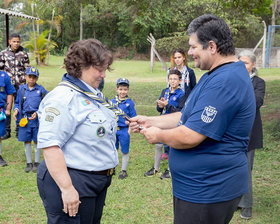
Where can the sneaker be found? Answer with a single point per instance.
(151, 172)
(123, 174)
(166, 174)
(6, 136)
(28, 167)
(246, 213)
(2, 161)
(35, 167)
(164, 157)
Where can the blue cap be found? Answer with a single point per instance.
(122, 81)
(32, 71)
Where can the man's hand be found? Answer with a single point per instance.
(138, 123)
(151, 134)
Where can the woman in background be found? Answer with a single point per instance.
(256, 135)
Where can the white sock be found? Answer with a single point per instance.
(158, 154)
(27, 148)
(37, 153)
(125, 158)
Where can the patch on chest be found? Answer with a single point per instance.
(101, 131)
(208, 114)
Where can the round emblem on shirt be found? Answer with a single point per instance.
(174, 98)
(100, 132)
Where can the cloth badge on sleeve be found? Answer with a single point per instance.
(50, 112)
(85, 102)
(2, 88)
(208, 114)
(101, 131)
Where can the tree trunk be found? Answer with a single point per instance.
(35, 44)
(81, 21)
(49, 37)
(273, 20)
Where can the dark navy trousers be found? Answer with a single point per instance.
(92, 189)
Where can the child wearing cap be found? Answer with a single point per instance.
(123, 134)
(6, 99)
(171, 100)
(29, 97)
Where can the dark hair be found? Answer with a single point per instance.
(182, 52)
(122, 84)
(175, 72)
(14, 35)
(210, 27)
(84, 54)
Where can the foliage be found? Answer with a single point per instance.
(127, 23)
(41, 42)
(166, 45)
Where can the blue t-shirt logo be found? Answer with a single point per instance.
(208, 114)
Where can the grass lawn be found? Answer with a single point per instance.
(139, 199)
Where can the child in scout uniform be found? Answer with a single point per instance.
(171, 100)
(26, 105)
(123, 134)
(6, 98)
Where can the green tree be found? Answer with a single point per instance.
(41, 43)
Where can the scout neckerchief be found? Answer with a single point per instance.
(252, 75)
(120, 100)
(77, 85)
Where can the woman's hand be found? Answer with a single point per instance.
(71, 202)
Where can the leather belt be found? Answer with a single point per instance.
(108, 172)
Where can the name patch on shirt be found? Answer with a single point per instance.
(208, 114)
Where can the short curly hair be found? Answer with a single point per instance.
(86, 53)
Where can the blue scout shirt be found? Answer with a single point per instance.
(222, 107)
(172, 98)
(31, 100)
(84, 129)
(6, 88)
(127, 105)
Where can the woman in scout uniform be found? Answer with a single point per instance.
(77, 134)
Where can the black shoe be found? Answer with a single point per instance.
(246, 213)
(6, 136)
(35, 167)
(151, 172)
(28, 167)
(123, 174)
(2, 161)
(166, 174)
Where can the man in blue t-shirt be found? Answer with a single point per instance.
(209, 137)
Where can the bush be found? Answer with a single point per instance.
(165, 46)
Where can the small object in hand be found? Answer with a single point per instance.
(127, 118)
